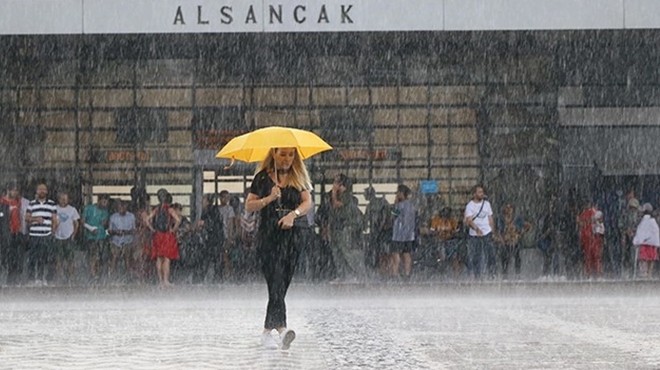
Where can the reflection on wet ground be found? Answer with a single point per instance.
(603, 325)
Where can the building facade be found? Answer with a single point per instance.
(533, 114)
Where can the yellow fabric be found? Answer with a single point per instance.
(254, 146)
(446, 228)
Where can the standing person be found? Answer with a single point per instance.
(510, 228)
(647, 239)
(95, 222)
(281, 193)
(164, 223)
(378, 216)
(235, 253)
(630, 218)
(403, 233)
(122, 237)
(590, 240)
(212, 229)
(545, 240)
(445, 228)
(341, 223)
(69, 221)
(190, 242)
(5, 235)
(229, 226)
(479, 219)
(15, 254)
(41, 215)
(325, 267)
(142, 252)
(248, 227)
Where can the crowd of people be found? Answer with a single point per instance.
(136, 242)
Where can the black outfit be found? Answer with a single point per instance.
(41, 257)
(277, 249)
(5, 236)
(213, 252)
(506, 252)
(545, 244)
(191, 246)
(15, 256)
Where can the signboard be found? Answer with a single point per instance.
(428, 186)
(40, 17)
(214, 139)
(127, 156)
(366, 154)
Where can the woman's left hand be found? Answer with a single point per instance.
(286, 222)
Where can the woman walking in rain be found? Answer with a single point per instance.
(281, 193)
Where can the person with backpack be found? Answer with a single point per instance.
(164, 222)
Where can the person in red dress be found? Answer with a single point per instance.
(163, 221)
(591, 243)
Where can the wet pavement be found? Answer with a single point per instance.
(597, 325)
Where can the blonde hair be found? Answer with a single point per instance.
(298, 178)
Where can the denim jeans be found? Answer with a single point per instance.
(481, 256)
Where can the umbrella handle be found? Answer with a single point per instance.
(233, 160)
(277, 179)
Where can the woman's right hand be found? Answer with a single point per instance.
(275, 193)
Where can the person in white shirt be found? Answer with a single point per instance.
(647, 239)
(121, 230)
(479, 219)
(65, 236)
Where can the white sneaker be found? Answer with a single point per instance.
(268, 341)
(287, 337)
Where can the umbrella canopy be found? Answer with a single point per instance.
(254, 146)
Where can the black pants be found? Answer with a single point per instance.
(14, 258)
(506, 252)
(212, 255)
(41, 258)
(278, 258)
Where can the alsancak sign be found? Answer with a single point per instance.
(276, 14)
(226, 16)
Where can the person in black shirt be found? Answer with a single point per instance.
(281, 193)
(212, 233)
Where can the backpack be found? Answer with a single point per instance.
(162, 219)
(248, 225)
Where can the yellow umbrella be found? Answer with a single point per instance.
(254, 146)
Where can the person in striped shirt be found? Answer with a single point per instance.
(41, 217)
